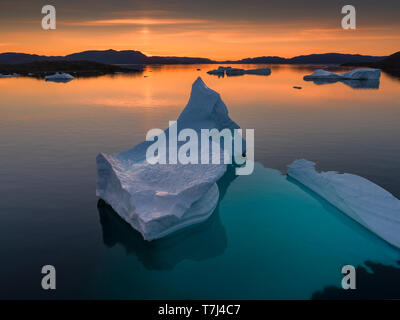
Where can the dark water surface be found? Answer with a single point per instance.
(268, 238)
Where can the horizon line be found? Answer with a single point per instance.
(197, 57)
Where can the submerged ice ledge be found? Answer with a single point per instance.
(362, 200)
(158, 199)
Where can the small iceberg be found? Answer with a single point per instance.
(59, 77)
(158, 199)
(356, 74)
(219, 71)
(9, 75)
(229, 71)
(237, 72)
(362, 200)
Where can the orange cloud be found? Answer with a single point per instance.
(215, 39)
(137, 21)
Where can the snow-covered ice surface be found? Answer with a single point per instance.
(356, 74)
(62, 77)
(367, 203)
(157, 199)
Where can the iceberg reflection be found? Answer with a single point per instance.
(355, 84)
(198, 242)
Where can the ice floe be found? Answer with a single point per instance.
(367, 203)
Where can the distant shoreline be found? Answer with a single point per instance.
(131, 57)
(75, 68)
(87, 68)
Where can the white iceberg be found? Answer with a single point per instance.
(157, 199)
(367, 203)
(59, 77)
(356, 74)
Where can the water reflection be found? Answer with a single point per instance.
(379, 282)
(393, 73)
(59, 80)
(355, 84)
(167, 252)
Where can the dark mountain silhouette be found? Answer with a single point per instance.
(325, 58)
(16, 58)
(262, 60)
(178, 60)
(392, 61)
(109, 56)
(136, 57)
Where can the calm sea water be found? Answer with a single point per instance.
(268, 238)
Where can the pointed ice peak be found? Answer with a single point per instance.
(205, 109)
(200, 88)
(199, 81)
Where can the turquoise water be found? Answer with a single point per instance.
(269, 238)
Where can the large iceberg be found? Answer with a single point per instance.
(367, 203)
(158, 199)
(356, 74)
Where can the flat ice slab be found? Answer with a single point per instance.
(59, 76)
(356, 74)
(157, 199)
(367, 203)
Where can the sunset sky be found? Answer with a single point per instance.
(205, 28)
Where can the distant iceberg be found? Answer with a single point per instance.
(9, 75)
(219, 71)
(237, 72)
(158, 199)
(229, 71)
(367, 203)
(356, 74)
(59, 77)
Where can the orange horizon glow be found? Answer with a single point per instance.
(217, 40)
